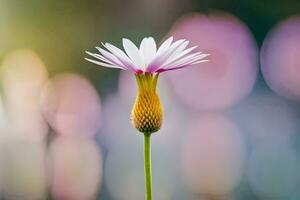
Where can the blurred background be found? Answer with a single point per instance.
(231, 128)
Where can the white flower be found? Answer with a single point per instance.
(148, 58)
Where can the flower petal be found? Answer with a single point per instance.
(103, 64)
(121, 56)
(177, 52)
(147, 50)
(147, 58)
(116, 51)
(165, 55)
(183, 66)
(151, 48)
(133, 52)
(179, 56)
(160, 58)
(165, 45)
(109, 56)
(98, 56)
(187, 60)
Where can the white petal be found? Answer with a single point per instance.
(176, 52)
(116, 51)
(165, 55)
(182, 66)
(165, 45)
(143, 44)
(151, 48)
(200, 61)
(103, 64)
(161, 58)
(147, 50)
(173, 48)
(133, 52)
(121, 56)
(183, 61)
(179, 56)
(187, 60)
(110, 57)
(143, 51)
(98, 56)
(181, 47)
(191, 60)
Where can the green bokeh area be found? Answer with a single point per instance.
(60, 31)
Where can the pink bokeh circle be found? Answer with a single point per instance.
(280, 60)
(71, 105)
(231, 71)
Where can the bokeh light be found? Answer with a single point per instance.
(75, 167)
(213, 155)
(274, 175)
(71, 105)
(23, 170)
(230, 131)
(231, 71)
(23, 75)
(267, 118)
(280, 61)
(2, 116)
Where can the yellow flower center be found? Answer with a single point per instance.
(147, 112)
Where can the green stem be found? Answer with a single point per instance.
(147, 165)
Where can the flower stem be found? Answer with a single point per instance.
(147, 165)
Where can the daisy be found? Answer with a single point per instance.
(148, 58)
(147, 62)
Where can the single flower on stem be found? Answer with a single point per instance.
(147, 62)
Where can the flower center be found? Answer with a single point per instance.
(147, 113)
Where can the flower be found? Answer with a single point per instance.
(169, 56)
(147, 62)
